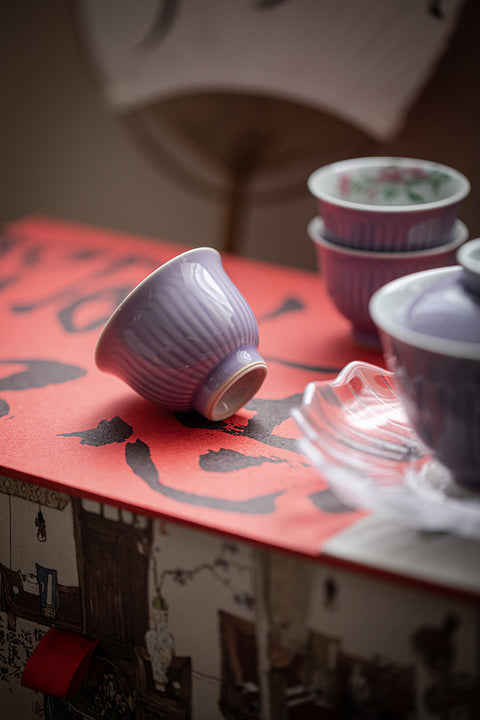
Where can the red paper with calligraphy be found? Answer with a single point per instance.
(66, 425)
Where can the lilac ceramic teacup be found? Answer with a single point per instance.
(186, 339)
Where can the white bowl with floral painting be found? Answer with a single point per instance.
(388, 203)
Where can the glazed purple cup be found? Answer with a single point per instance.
(388, 204)
(433, 348)
(352, 276)
(186, 339)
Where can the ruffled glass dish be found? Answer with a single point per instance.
(355, 432)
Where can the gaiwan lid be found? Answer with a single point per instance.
(449, 308)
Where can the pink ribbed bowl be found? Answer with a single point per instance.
(352, 276)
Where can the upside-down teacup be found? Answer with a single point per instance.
(186, 339)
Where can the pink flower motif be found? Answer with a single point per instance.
(344, 184)
(418, 172)
(392, 175)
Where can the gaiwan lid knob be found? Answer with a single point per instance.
(450, 307)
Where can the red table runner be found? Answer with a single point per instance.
(67, 426)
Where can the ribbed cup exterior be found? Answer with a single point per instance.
(175, 327)
(351, 280)
(387, 232)
(352, 276)
(441, 397)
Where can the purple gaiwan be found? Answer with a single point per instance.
(429, 324)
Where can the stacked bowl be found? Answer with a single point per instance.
(381, 218)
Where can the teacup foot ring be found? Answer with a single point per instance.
(232, 383)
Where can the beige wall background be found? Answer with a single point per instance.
(64, 154)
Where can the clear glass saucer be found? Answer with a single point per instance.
(355, 432)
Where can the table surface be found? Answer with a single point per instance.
(67, 426)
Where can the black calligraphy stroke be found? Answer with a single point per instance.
(138, 458)
(164, 17)
(39, 373)
(435, 9)
(5, 282)
(326, 501)
(77, 289)
(138, 455)
(67, 315)
(225, 460)
(4, 408)
(30, 257)
(166, 12)
(107, 432)
(86, 254)
(290, 304)
(69, 300)
(6, 244)
(268, 415)
(33, 255)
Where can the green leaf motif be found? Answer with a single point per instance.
(415, 197)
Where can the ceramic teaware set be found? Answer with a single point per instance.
(388, 239)
(381, 218)
(396, 262)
